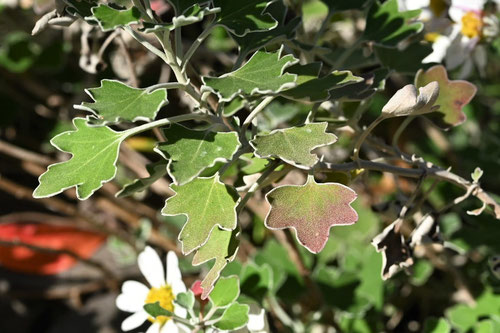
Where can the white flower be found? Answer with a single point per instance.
(135, 294)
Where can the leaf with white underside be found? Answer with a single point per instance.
(190, 152)
(242, 17)
(294, 145)
(262, 74)
(115, 101)
(312, 88)
(453, 95)
(311, 210)
(194, 14)
(181, 6)
(156, 171)
(110, 18)
(95, 152)
(221, 246)
(406, 102)
(207, 203)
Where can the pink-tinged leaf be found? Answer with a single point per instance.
(453, 95)
(311, 210)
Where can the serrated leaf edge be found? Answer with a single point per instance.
(123, 137)
(255, 91)
(300, 166)
(304, 185)
(118, 118)
(218, 159)
(216, 176)
(94, 18)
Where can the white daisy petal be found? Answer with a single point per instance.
(151, 267)
(155, 328)
(256, 322)
(174, 277)
(439, 49)
(169, 327)
(180, 312)
(134, 321)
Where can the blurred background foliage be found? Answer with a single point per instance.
(449, 287)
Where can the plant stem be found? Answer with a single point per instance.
(167, 85)
(166, 121)
(265, 102)
(323, 27)
(363, 136)
(400, 130)
(196, 44)
(145, 43)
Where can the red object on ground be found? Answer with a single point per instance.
(23, 259)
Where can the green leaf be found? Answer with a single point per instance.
(186, 300)
(373, 82)
(191, 152)
(18, 52)
(254, 164)
(311, 88)
(115, 101)
(180, 6)
(156, 170)
(262, 74)
(435, 325)
(225, 292)
(207, 202)
(95, 152)
(193, 14)
(221, 246)
(293, 145)
(110, 18)
(234, 106)
(453, 95)
(155, 310)
(80, 8)
(311, 210)
(234, 317)
(406, 61)
(387, 26)
(464, 317)
(256, 40)
(256, 281)
(242, 17)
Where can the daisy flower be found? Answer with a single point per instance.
(135, 294)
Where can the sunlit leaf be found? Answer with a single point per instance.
(110, 18)
(225, 292)
(95, 152)
(293, 145)
(190, 152)
(406, 102)
(262, 74)
(453, 95)
(311, 210)
(207, 203)
(234, 317)
(115, 101)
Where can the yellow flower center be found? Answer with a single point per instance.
(471, 25)
(437, 7)
(431, 36)
(165, 297)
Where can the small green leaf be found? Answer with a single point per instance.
(311, 210)
(191, 152)
(110, 18)
(234, 317)
(453, 95)
(156, 171)
(221, 246)
(155, 310)
(293, 145)
(262, 74)
(207, 203)
(373, 82)
(234, 106)
(242, 17)
(95, 152)
(186, 300)
(435, 325)
(387, 26)
(115, 101)
(477, 174)
(311, 88)
(254, 164)
(225, 292)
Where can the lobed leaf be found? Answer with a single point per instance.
(191, 152)
(406, 102)
(294, 145)
(453, 95)
(114, 101)
(109, 18)
(242, 17)
(387, 26)
(311, 210)
(95, 152)
(185, 299)
(222, 246)
(207, 203)
(262, 74)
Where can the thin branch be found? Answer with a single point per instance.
(265, 102)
